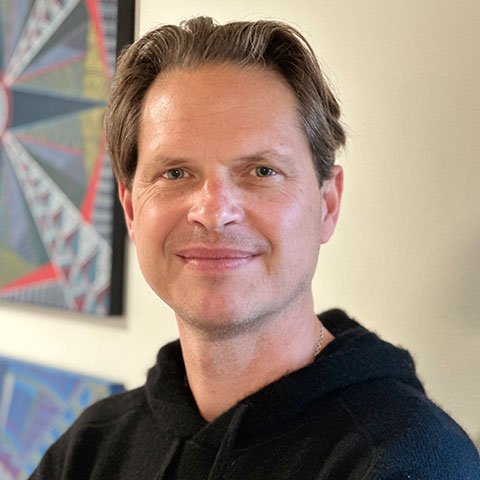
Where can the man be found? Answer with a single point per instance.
(223, 142)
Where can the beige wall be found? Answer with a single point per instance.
(405, 260)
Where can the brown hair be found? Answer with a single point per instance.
(200, 41)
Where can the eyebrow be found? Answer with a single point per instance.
(169, 161)
(267, 155)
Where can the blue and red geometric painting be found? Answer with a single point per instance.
(37, 404)
(57, 58)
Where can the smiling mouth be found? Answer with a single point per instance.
(215, 259)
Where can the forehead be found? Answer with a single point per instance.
(219, 105)
(209, 82)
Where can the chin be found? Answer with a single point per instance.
(219, 324)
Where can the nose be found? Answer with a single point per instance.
(215, 205)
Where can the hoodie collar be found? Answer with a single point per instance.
(354, 356)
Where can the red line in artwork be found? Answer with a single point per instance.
(45, 273)
(50, 68)
(89, 199)
(92, 7)
(9, 110)
(24, 137)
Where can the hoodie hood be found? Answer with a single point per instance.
(355, 356)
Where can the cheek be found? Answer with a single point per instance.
(289, 223)
(153, 222)
(300, 215)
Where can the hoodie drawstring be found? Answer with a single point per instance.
(226, 447)
(168, 460)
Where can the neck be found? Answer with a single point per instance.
(222, 371)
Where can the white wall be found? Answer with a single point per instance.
(405, 260)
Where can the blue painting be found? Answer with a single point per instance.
(37, 404)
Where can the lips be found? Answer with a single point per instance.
(216, 258)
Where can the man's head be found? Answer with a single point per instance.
(198, 42)
(221, 196)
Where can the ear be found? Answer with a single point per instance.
(331, 192)
(125, 195)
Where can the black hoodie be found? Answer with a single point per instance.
(358, 412)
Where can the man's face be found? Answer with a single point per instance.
(225, 209)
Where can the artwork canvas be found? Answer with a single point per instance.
(61, 230)
(37, 404)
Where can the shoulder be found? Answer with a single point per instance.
(111, 423)
(412, 435)
(113, 409)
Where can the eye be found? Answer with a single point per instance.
(174, 174)
(264, 172)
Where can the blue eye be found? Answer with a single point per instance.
(174, 174)
(264, 172)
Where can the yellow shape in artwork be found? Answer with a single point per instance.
(66, 80)
(95, 85)
(61, 130)
(13, 266)
(92, 136)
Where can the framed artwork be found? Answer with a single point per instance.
(61, 228)
(38, 404)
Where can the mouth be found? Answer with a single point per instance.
(212, 259)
